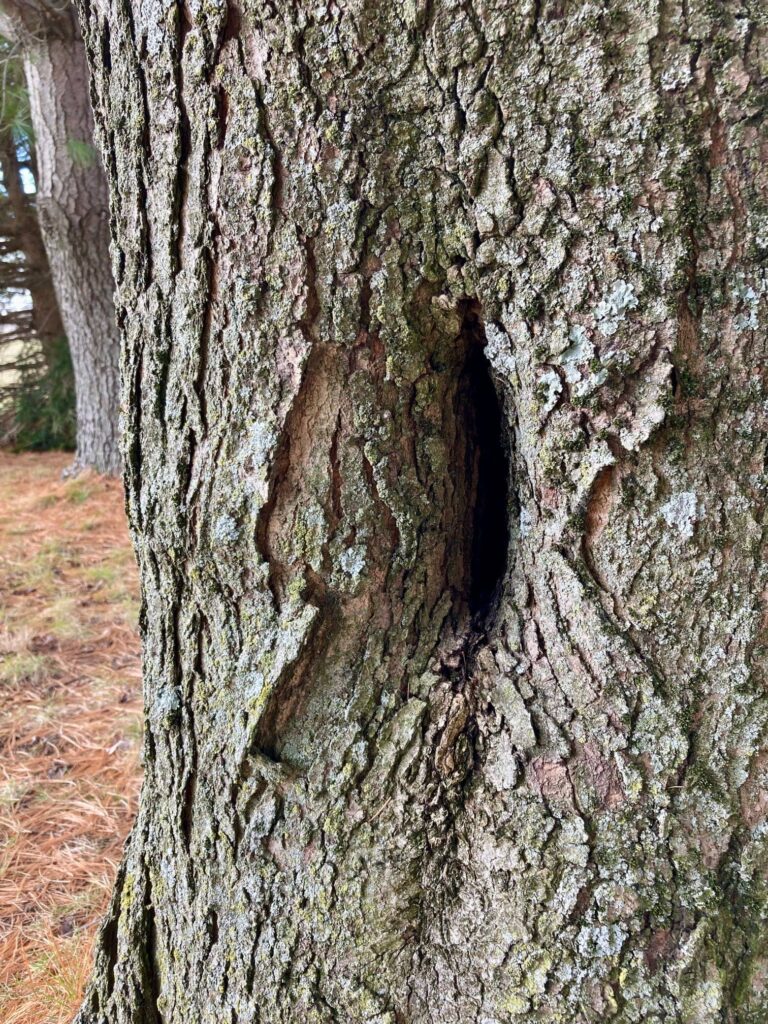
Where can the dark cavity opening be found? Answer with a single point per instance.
(487, 464)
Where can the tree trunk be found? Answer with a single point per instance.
(74, 219)
(445, 381)
(46, 319)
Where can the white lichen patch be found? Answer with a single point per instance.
(498, 351)
(225, 530)
(612, 308)
(649, 406)
(526, 522)
(647, 421)
(602, 940)
(580, 351)
(352, 561)
(678, 74)
(255, 454)
(165, 706)
(680, 513)
(761, 233)
(253, 688)
(746, 296)
(587, 386)
(501, 764)
(705, 1003)
(575, 361)
(261, 440)
(551, 386)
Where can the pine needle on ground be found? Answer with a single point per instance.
(69, 726)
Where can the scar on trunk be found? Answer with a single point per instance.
(474, 523)
(487, 466)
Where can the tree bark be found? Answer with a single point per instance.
(445, 375)
(72, 206)
(45, 320)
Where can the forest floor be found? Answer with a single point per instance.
(69, 726)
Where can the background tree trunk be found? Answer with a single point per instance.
(445, 347)
(72, 207)
(46, 320)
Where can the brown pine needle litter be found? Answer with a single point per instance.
(70, 715)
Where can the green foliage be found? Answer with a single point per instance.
(82, 153)
(44, 405)
(14, 99)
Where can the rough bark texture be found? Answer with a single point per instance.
(45, 318)
(73, 211)
(374, 790)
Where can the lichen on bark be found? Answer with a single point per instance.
(368, 796)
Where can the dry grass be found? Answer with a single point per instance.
(69, 726)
